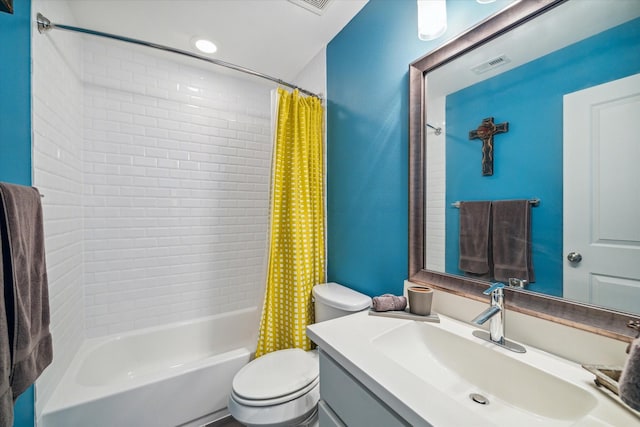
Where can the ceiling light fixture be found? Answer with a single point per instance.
(432, 19)
(204, 45)
(485, 1)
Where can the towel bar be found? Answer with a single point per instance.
(533, 202)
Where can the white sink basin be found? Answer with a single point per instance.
(458, 364)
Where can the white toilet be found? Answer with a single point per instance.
(282, 388)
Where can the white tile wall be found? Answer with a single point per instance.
(436, 187)
(57, 172)
(176, 189)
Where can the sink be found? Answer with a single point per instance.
(460, 365)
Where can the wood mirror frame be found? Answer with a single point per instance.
(587, 317)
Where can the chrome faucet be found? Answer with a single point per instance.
(495, 313)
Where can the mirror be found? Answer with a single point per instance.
(516, 67)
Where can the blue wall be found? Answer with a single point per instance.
(15, 127)
(530, 99)
(367, 139)
(15, 94)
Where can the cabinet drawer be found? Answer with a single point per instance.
(351, 401)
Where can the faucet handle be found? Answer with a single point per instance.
(514, 282)
(494, 287)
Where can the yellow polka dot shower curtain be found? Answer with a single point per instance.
(297, 234)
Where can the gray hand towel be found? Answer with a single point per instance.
(25, 277)
(511, 225)
(629, 384)
(475, 251)
(388, 302)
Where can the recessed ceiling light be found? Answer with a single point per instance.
(204, 45)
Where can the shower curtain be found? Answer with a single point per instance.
(297, 234)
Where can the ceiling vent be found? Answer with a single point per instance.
(316, 6)
(491, 64)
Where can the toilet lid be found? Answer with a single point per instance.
(341, 297)
(276, 374)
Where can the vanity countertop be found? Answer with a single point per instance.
(354, 342)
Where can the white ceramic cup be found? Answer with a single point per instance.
(420, 299)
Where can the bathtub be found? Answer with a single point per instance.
(176, 375)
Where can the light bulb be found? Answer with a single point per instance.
(204, 45)
(432, 19)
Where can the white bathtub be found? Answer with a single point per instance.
(176, 375)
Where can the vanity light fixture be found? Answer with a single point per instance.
(204, 45)
(432, 19)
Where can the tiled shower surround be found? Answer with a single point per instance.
(155, 174)
(176, 163)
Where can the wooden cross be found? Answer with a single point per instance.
(485, 132)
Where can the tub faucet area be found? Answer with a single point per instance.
(495, 313)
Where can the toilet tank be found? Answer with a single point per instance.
(332, 300)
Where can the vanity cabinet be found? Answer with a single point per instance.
(327, 417)
(347, 402)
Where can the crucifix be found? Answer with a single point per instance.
(485, 132)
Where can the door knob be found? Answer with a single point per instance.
(574, 257)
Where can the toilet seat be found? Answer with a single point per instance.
(289, 413)
(276, 400)
(279, 388)
(276, 377)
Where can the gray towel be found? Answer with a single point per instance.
(25, 284)
(6, 396)
(629, 384)
(511, 225)
(388, 302)
(475, 250)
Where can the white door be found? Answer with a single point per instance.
(601, 218)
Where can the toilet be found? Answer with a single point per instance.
(282, 388)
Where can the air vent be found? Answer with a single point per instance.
(316, 6)
(491, 64)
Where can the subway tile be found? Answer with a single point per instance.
(176, 154)
(157, 112)
(158, 172)
(145, 121)
(105, 125)
(145, 161)
(136, 68)
(129, 107)
(134, 149)
(133, 129)
(157, 133)
(144, 100)
(118, 95)
(168, 163)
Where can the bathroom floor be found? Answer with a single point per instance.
(227, 422)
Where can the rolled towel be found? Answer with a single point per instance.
(629, 384)
(388, 302)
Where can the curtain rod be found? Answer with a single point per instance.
(45, 25)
